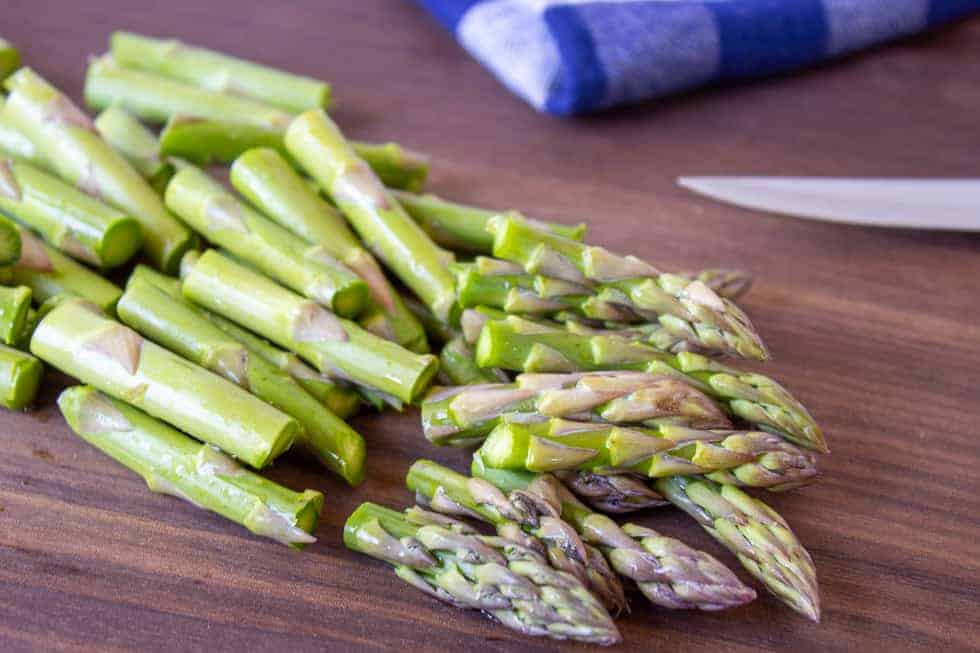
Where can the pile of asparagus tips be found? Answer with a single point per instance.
(261, 316)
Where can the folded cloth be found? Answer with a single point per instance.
(576, 56)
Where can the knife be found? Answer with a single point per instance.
(950, 204)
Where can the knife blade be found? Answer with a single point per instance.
(948, 204)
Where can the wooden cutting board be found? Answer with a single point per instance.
(878, 332)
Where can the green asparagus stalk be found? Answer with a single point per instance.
(517, 344)
(559, 444)
(266, 180)
(9, 59)
(20, 377)
(70, 220)
(308, 269)
(137, 143)
(174, 464)
(15, 302)
(11, 246)
(612, 493)
(755, 533)
(463, 228)
(219, 72)
(317, 144)
(458, 367)
(81, 342)
(329, 343)
(668, 572)
(689, 309)
(14, 145)
(451, 562)
(524, 517)
(154, 99)
(465, 415)
(504, 285)
(183, 330)
(66, 137)
(729, 283)
(49, 273)
(334, 394)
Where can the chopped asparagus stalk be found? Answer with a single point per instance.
(299, 325)
(182, 329)
(308, 269)
(20, 377)
(317, 144)
(67, 218)
(137, 143)
(81, 342)
(174, 464)
(333, 393)
(219, 72)
(49, 273)
(15, 303)
(463, 228)
(68, 139)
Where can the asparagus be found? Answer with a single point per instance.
(20, 377)
(183, 330)
(329, 343)
(755, 533)
(463, 415)
(492, 283)
(457, 366)
(9, 58)
(219, 72)
(729, 283)
(15, 302)
(340, 399)
(668, 450)
(505, 286)
(174, 464)
(451, 562)
(154, 99)
(66, 137)
(81, 342)
(72, 221)
(265, 178)
(463, 228)
(137, 144)
(49, 273)
(10, 242)
(689, 309)
(612, 493)
(214, 139)
(522, 514)
(308, 269)
(517, 344)
(668, 572)
(316, 142)
(15, 145)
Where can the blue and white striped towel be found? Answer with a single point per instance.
(576, 56)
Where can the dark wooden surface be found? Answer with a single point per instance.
(877, 331)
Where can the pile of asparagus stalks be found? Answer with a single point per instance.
(259, 314)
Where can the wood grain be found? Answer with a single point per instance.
(877, 331)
